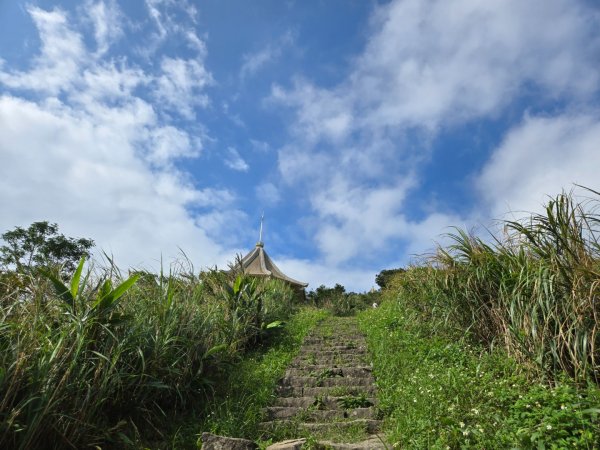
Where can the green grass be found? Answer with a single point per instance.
(437, 390)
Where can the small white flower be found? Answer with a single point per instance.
(462, 424)
(548, 427)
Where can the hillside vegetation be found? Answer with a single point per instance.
(488, 343)
(495, 343)
(104, 361)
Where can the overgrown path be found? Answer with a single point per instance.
(328, 392)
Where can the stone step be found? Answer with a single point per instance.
(346, 360)
(369, 426)
(334, 391)
(331, 352)
(318, 415)
(328, 402)
(373, 442)
(298, 381)
(334, 347)
(356, 371)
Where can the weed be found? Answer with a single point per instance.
(355, 401)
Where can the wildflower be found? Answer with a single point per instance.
(465, 433)
(548, 427)
(563, 407)
(462, 424)
(375, 305)
(475, 411)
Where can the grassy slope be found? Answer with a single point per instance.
(439, 391)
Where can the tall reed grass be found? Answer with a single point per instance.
(534, 288)
(100, 360)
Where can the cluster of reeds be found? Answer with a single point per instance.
(533, 289)
(99, 360)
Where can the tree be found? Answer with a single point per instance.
(324, 295)
(41, 245)
(383, 278)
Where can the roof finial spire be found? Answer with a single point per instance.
(262, 219)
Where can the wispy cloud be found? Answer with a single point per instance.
(181, 85)
(235, 162)
(107, 19)
(173, 19)
(268, 194)
(254, 62)
(56, 67)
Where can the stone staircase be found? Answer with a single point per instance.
(328, 392)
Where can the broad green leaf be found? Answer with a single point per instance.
(215, 349)
(61, 290)
(237, 284)
(275, 324)
(109, 297)
(76, 277)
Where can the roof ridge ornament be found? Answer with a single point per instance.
(260, 242)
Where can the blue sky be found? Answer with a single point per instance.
(362, 129)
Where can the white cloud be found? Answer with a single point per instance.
(106, 18)
(99, 160)
(254, 62)
(181, 85)
(170, 23)
(235, 162)
(317, 273)
(427, 66)
(81, 174)
(539, 158)
(56, 67)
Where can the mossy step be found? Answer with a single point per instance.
(338, 360)
(328, 402)
(319, 415)
(373, 442)
(323, 370)
(327, 352)
(332, 391)
(368, 426)
(335, 348)
(333, 381)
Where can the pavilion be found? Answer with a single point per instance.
(257, 262)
